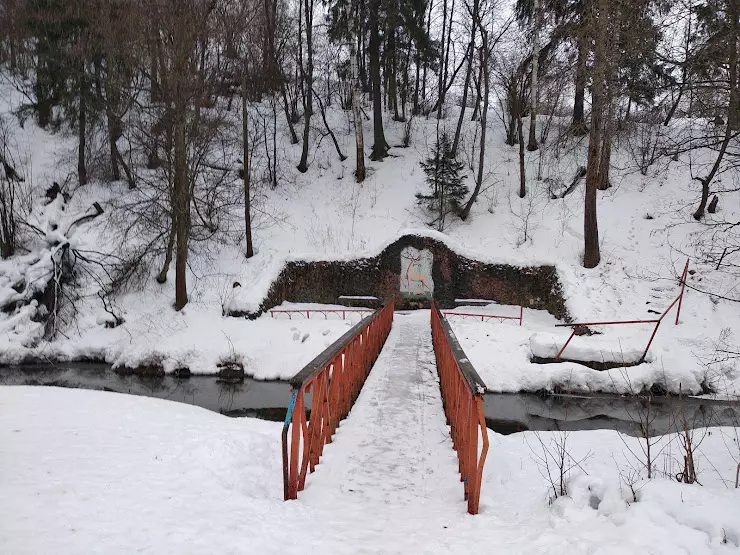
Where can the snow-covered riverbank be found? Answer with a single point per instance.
(92, 472)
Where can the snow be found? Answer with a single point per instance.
(87, 472)
(641, 260)
(99, 472)
(199, 338)
(502, 354)
(583, 348)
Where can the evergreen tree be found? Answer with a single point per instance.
(445, 182)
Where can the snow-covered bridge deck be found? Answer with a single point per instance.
(394, 448)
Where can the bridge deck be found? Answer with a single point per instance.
(395, 447)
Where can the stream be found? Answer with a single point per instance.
(505, 412)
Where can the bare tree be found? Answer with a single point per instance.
(534, 88)
(380, 146)
(599, 19)
(357, 115)
(306, 78)
(246, 172)
(484, 60)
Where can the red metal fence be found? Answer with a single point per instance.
(462, 397)
(484, 316)
(655, 321)
(334, 380)
(325, 311)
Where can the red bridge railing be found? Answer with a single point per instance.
(462, 397)
(483, 316)
(343, 312)
(334, 380)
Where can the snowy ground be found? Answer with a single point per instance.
(92, 472)
(501, 352)
(200, 338)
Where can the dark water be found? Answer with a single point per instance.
(261, 399)
(505, 413)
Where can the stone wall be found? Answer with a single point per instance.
(454, 277)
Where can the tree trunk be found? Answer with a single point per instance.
(534, 89)
(179, 81)
(706, 181)
(182, 208)
(426, 63)
(82, 127)
(307, 76)
(341, 155)
(476, 104)
(13, 54)
(274, 144)
(606, 148)
(445, 57)
(129, 176)
(674, 106)
(417, 63)
(247, 170)
(155, 91)
(380, 146)
(405, 87)
(293, 136)
(522, 170)
(162, 277)
(591, 254)
(114, 126)
(356, 113)
(483, 118)
(733, 109)
(468, 75)
(442, 78)
(579, 124)
(391, 53)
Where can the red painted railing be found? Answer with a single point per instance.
(334, 380)
(483, 316)
(462, 397)
(325, 311)
(655, 321)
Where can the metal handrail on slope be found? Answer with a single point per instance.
(462, 396)
(334, 379)
(657, 321)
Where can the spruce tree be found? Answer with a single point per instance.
(446, 188)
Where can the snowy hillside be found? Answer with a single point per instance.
(645, 224)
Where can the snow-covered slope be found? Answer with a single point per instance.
(645, 227)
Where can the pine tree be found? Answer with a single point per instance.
(445, 182)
